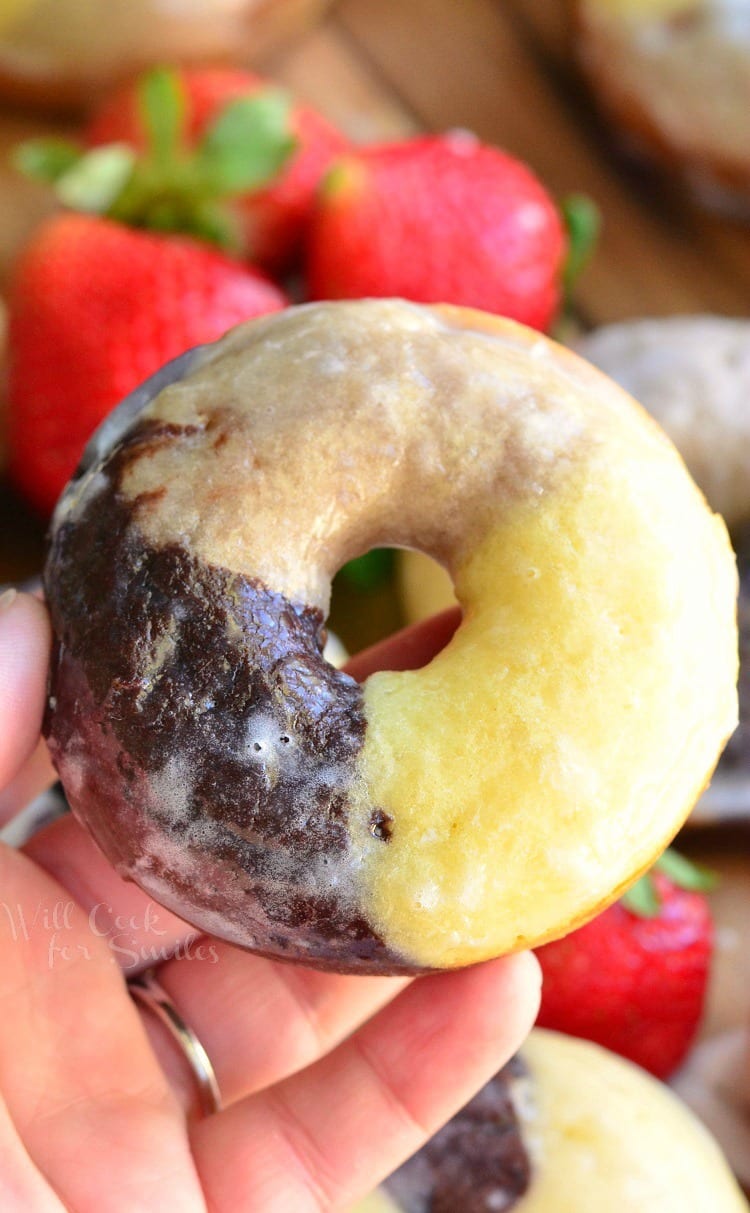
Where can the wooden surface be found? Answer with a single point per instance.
(384, 68)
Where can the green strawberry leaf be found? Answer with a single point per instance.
(94, 182)
(583, 220)
(686, 874)
(161, 104)
(247, 145)
(46, 159)
(642, 898)
(173, 187)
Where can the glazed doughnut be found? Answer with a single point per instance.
(566, 1128)
(432, 818)
(63, 54)
(674, 76)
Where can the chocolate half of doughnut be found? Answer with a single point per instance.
(198, 731)
(203, 738)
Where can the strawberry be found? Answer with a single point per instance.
(439, 218)
(274, 215)
(94, 308)
(634, 978)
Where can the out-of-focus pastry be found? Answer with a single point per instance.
(60, 53)
(715, 1083)
(692, 373)
(674, 77)
(566, 1128)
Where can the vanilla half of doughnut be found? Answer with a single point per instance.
(493, 799)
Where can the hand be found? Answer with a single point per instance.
(328, 1082)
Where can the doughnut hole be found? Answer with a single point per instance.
(391, 642)
(365, 610)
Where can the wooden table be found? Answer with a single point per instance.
(501, 68)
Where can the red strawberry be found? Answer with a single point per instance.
(439, 218)
(94, 309)
(273, 216)
(634, 978)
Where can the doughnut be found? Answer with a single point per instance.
(431, 818)
(61, 54)
(692, 373)
(566, 1127)
(674, 77)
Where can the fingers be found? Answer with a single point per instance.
(77, 1073)
(25, 639)
(23, 1188)
(408, 649)
(236, 1004)
(35, 776)
(331, 1133)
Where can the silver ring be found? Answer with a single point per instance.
(146, 990)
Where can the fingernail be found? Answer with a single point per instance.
(8, 598)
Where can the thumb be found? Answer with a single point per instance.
(25, 639)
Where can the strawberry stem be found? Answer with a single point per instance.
(583, 221)
(45, 159)
(643, 899)
(94, 182)
(686, 874)
(162, 109)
